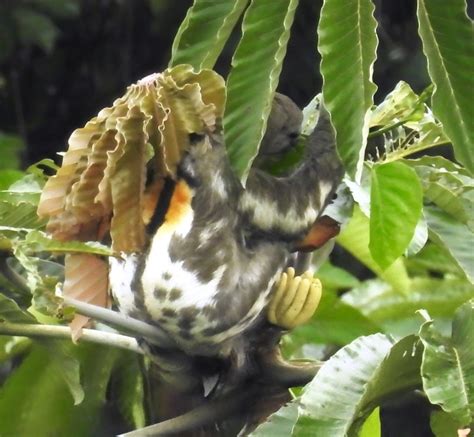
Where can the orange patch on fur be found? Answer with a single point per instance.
(179, 204)
(320, 233)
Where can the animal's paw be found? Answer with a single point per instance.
(294, 300)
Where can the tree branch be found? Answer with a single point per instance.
(289, 375)
(64, 332)
(211, 412)
(135, 327)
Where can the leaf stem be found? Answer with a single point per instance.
(64, 332)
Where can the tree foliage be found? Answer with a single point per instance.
(407, 218)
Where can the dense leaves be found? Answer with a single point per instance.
(407, 220)
(447, 34)
(448, 365)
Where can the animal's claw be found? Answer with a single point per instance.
(295, 299)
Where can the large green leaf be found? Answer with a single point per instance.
(354, 381)
(333, 277)
(448, 34)
(129, 389)
(371, 427)
(256, 66)
(381, 304)
(8, 177)
(396, 199)
(204, 32)
(11, 147)
(41, 401)
(444, 425)
(355, 239)
(61, 358)
(448, 365)
(11, 312)
(455, 236)
(64, 363)
(447, 185)
(335, 322)
(348, 43)
(280, 424)
(432, 258)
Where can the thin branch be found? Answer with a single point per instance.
(135, 327)
(211, 412)
(289, 375)
(275, 374)
(64, 332)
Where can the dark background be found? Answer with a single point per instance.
(61, 61)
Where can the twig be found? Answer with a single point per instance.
(59, 332)
(289, 375)
(211, 412)
(276, 374)
(136, 327)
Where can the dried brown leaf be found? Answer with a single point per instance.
(86, 279)
(128, 184)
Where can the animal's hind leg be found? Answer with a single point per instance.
(294, 299)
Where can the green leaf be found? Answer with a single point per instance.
(435, 164)
(400, 104)
(347, 43)
(396, 200)
(354, 381)
(251, 84)
(8, 177)
(334, 277)
(37, 241)
(456, 237)
(432, 258)
(42, 403)
(335, 322)
(355, 239)
(65, 364)
(444, 425)
(448, 365)
(130, 393)
(448, 186)
(447, 34)
(11, 312)
(382, 304)
(280, 424)
(33, 388)
(371, 427)
(11, 147)
(61, 360)
(204, 31)
(419, 239)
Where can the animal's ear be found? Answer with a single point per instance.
(320, 233)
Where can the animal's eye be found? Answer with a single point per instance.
(293, 135)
